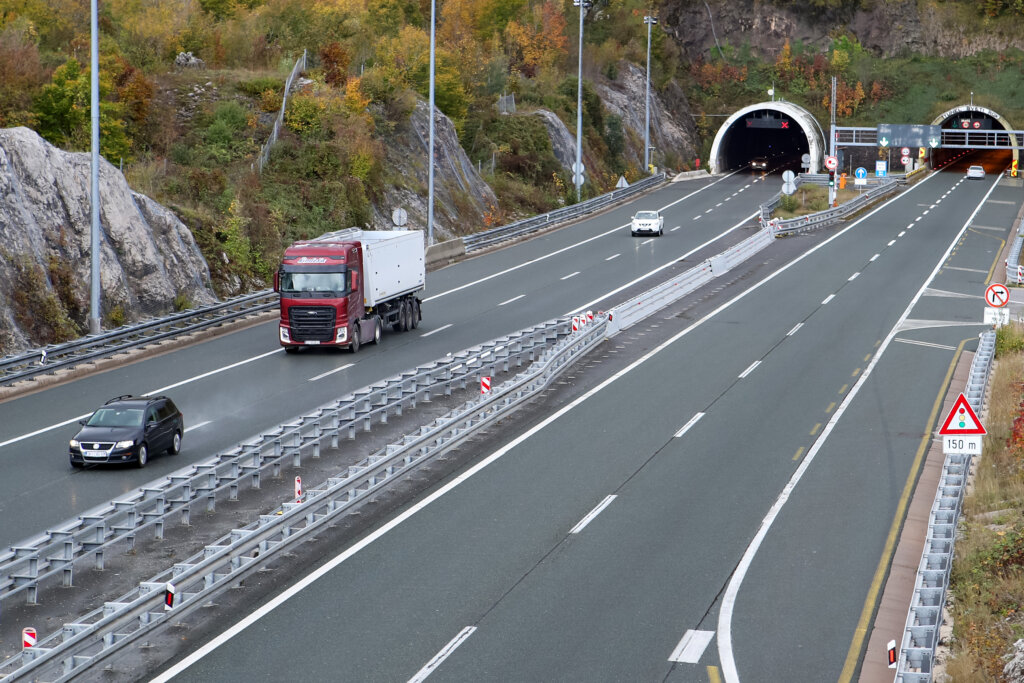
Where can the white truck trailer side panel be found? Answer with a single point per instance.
(393, 264)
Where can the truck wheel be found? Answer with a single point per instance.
(406, 316)
(415, 314)
(353, 345)
(378, 330)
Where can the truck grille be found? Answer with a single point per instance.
(312, 323)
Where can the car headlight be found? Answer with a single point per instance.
(74, 443)
(125, 444)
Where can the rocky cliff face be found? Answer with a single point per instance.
(885, 28)
(148, 257)
(461, 197)
(563, 143)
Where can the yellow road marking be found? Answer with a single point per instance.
(874, 592)
(816, 428)
(867, 358)
(855, 372)
(842, 389)
(713, 676)
(831, 407)
(799, 452)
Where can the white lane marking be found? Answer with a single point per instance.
(331, 564)
(852, 277)
(657, 270)
(933, 205)
(874, 257)
(161, 390)
(197, 426)
(967, 270)
(571, 246)
(443, 327)
(709, 210)
(675, 228)
(647, 241)
(515, 298)
(613, 256)
(902, 233)
(795, 328)
(686, 427)
(910, 226)
(696, 218)
(828, 298)
(346, 366)
(592, 514)
(691, 647)
(922, 343)
(718, 205)
(725, 652)
(750, 369)
(891, 242)
(925, 212)
(445, 652)
(570, 275)
(917, 219)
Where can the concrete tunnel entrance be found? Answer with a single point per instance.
(780, 131)
(972, 117)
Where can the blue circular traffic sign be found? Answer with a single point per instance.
(861, 172)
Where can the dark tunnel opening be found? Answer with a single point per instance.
(994, 160)
(764, 134)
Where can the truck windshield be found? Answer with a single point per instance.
(313, 284)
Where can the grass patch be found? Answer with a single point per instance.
(809, 199)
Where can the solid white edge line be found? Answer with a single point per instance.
(691, 648)
(331, 564)
(445, 652)
(828, 298)
(72, 420)
(571, 246)
(686, 427)
(580, 525)
(750, 369)
(331, 372)
(197, 426)
(515, 298)
(725, 653)
(795, 328)
(443, 327)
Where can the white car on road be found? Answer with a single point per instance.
(649, 222)
(976, 172)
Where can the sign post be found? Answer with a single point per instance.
(997, 296)
(962, 430)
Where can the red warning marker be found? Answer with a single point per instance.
(298, 489)
(962, 420)
(485, 385)
(892, 654)
(28, 638)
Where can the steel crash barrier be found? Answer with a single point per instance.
(916, 658)
(227, 562)
(822, 218)
(1014, 268)
(54, 357)
(53, 556)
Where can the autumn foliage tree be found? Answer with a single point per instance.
(538, 41)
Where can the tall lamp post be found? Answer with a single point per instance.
(430, 150)
(577, 169)
(647, 109)
(94, 296)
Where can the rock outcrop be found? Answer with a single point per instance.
(461, 197)
(563, 143)
(148, 257)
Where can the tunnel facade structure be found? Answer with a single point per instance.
(972, 117)
(777, 130)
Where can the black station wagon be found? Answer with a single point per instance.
(128, 429)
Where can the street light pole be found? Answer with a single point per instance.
(94, 82)
(578, 167)
(430, 145)
(647, 109)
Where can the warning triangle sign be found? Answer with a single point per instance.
(961, 420)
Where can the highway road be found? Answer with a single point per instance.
(714, 499)
(231, 387)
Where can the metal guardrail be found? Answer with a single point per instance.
(921, 634)
(264, 155)
(54, 554)
(501, 233)
(821, 218)
(1014, 268)
(47, 359)
(228, 561)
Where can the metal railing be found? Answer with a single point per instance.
(48, 359)
(828, 216)
(54, 554)
(1014, 268)
(501, 233)
(264, 155)
(921, 634)
(87, 642)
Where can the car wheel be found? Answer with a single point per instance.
(414, 307)
(353, 345)
(378, 330)
(143, 456)
(175, 443)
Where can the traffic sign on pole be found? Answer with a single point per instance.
(831, 163)
(997, 295)
(905, 152)
(905, 160)
(962, 430)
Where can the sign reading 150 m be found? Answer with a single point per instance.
(961, 432)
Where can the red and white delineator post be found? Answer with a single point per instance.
(298, 489)
(28, 638)
(485, 385)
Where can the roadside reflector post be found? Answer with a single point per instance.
(170, 592)
(892, 654)
(298, 489)
(590, 316)
(28, 638)
(485, 385)
(575, 323)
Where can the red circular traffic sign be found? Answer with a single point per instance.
(831, 163)
(905, 151)
(997, 295)
(905, 160)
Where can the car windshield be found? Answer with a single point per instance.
(322, 283)
(976, 168)
(116, 417)
(646, 215)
